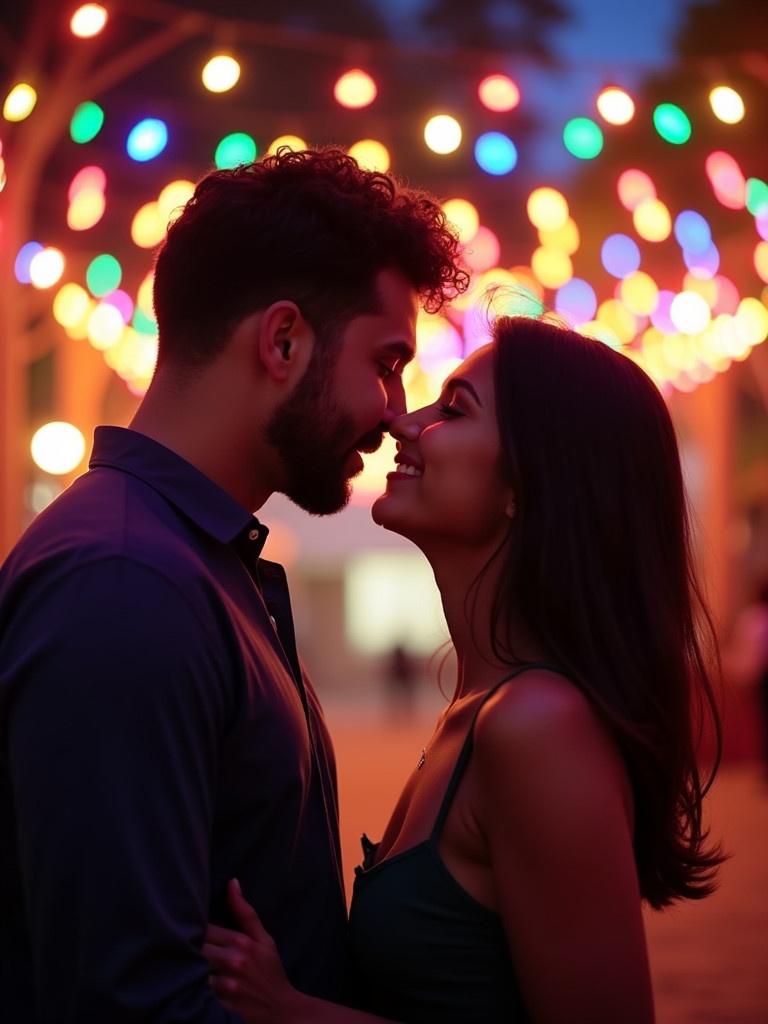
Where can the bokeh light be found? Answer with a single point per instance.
(371, 154)
(86, 209)
(174, 197)
(355, 89)
(122, 302)
(88, 20)
(495, 153)
(760, 260)
(294, 142)
(103, 274)
(147, 139)
(547, 208)
(727, 180)
(703, 264)
(148, 226)
(692, 231)
(672, 123)
(87, 121)
(464, 217)
(620, 321)
(565, 237)
(652, 220)
(757, 197)
(105, 326)
(633, 187)
(498, 93)
(71, 305)
(576, 300)
(91, 178)
(620, 255)
(583, 138)
(552, 267)
(689, 313)
(442, 134)
(483, 249)
(57, 447)
(727, 105)
(660, 316)
(46, 267)
(221, 73)
(639, 293)
(24, 258)
(615, 105)
(232, 150)
(20, 102)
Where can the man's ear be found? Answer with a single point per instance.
(285, 341)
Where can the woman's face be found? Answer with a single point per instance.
(447, 486)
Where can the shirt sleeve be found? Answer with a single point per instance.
(120, 697)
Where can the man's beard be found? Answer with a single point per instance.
(314, 439)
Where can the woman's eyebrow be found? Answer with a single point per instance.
(459, 382)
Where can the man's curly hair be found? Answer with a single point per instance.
(312, 226)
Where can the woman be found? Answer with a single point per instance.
(561, 786)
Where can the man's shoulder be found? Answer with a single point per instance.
(105, 517)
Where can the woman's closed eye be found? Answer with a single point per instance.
(448, 410)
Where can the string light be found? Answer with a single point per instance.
(727, 105)
(147, 139)
(442, 134)
(20, 102)
(615, 105)
(221, 73)
(499, 93)
(372, 155)
(88, 21)
(685, 335)
(672, 123)
(355, 89)
(57, 447)
(583, 138)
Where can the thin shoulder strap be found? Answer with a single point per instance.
(466, 749)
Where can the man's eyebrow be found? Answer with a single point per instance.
(459, 382)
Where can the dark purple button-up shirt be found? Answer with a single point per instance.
(157, 738)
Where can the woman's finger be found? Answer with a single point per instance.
(246, 916)
(216, 935)
(216, 957)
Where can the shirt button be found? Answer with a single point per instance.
(253, 535)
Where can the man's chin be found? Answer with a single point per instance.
(319, 502)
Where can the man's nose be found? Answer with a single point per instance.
(396, 404)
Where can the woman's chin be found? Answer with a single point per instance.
(379, 511)
(383, 514)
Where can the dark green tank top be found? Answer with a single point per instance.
(425, 951)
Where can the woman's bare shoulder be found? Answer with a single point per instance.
(541, 728)
(537, 702)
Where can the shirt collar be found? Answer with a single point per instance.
(180, 483)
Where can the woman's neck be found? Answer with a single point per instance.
(467, 600)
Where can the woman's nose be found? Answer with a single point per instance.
(406, 427)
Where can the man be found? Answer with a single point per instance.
(157, 734)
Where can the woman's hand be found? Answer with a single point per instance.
(246, 971)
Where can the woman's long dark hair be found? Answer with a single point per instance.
(599, 568)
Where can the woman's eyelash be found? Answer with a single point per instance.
(448, 410)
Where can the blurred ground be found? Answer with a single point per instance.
(709, 960)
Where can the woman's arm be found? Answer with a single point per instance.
(247, 976)
(553, 800)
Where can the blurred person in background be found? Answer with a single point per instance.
(401, 679)
(158, 734)
(561, 787)
(745, 659)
